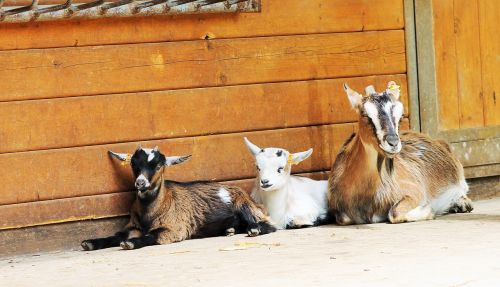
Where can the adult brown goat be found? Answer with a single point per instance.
(167, 211)
(378, 176)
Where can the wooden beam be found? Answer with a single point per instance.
(37, 74)
(87, 207)
(72, 172)
(179, 113)
(130, 8)
(56, 236)
(480, 152)
(296, 17)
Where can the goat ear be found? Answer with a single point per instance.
(120, 156)
(156, 149)
(370, 90)
(253, 148)
(354, 97)
(173, 160)
(300, 156)
(393, 89)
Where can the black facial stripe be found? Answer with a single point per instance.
(387, 120)
(279, 153)
(386, 124)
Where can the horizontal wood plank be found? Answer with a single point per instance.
(276, 18)
(87, 207)
(63, 173)
(480, 152)
(36, 74)
(72, 172)
(55, 237)
(479, 171)
(80, 121)
(65, 210)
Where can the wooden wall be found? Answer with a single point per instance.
(467, 50)
(70, 91)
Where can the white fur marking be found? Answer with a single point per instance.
(372, 112)
(398, 110)
(224, 195)
(150, 153)
(419, 213)
(144, 178)
(449, 195)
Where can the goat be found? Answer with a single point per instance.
(379, 175)
(167, 211)
(291, 201)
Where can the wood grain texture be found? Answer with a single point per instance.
(35, 74)
(468, 61)
(446, 65)
(88, 207)
(489, 13)
(56, 236)
(80, 121)
(64, 173)
(64, 210)
(295, 17)
(472, 153)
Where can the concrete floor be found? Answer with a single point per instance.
(455, 250)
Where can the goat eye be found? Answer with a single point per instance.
(257, 167)
(280, 169)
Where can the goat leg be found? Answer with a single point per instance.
(106, 242)
(148, 239)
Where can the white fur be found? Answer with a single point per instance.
(290, 200)
(148, 184)
(442, 203)
(224, 195)
(419, 213)
(150, 153)
(372, 112)
(398, 113)
(300, 201)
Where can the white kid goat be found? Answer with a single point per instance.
(291, 201)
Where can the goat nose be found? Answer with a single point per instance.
(392, 140)
(140, 182)
(264, 181)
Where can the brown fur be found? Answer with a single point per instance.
(362, 184)
(169, 211)
(184, 210)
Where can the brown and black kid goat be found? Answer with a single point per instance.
(167, 211)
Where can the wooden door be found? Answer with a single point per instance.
(458, 50)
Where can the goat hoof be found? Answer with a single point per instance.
(252, 232)
(230, 231)
(463, 204)
(127, 245)
(87, 245)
